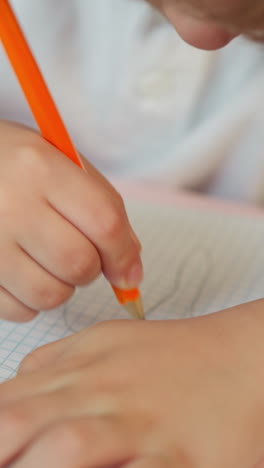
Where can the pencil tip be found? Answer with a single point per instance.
(135, 308)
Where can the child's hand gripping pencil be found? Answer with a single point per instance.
(47, 115)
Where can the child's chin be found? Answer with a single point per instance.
(200, 33)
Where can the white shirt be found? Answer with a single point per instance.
(139, 102)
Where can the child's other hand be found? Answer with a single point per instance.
(60, 227)
(185, 394)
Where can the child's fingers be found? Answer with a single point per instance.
(98, 212)
(30, 283)
(99, 443)
(21, 421)
(12, 309)
(59, 247)
(93, 172)
(93, 342)
(43, 356)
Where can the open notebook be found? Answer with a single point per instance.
(196, 262)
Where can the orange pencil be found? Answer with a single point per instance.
(46, 114)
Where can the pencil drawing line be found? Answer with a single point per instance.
(182, 270)
(5, 366)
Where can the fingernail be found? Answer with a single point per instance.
(134, 277)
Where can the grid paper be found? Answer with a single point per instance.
(195, 262)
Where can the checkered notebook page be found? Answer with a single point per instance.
(195, 263)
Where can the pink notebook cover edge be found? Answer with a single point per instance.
(178, 198)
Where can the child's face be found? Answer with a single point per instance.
(211, 24)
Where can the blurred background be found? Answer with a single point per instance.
(141, 104)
